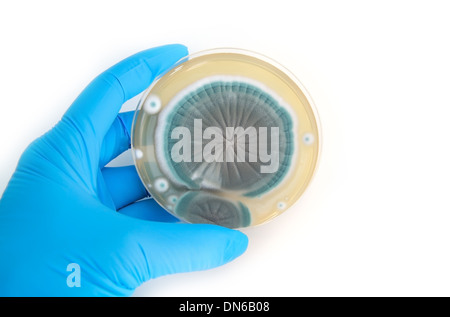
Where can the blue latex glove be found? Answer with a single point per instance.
(70, 227)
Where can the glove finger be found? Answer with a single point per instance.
(118, 138)
(168, 248)
(147, 209)
(124, 185)
(97, 106)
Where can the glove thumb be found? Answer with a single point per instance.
(166, 248)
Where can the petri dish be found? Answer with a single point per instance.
(227, 137)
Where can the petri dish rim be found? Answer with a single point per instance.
(252, 54)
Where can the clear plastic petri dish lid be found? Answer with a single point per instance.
(227, 137)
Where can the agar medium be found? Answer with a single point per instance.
(226, 137)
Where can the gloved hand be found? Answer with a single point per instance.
(71, 227)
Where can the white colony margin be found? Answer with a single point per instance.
(160, 127)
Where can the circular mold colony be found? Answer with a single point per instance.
(227, 137)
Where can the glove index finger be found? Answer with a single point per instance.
(97, 106)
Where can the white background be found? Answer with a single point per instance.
(375, 221)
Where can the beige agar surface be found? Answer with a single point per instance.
(306, 130)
